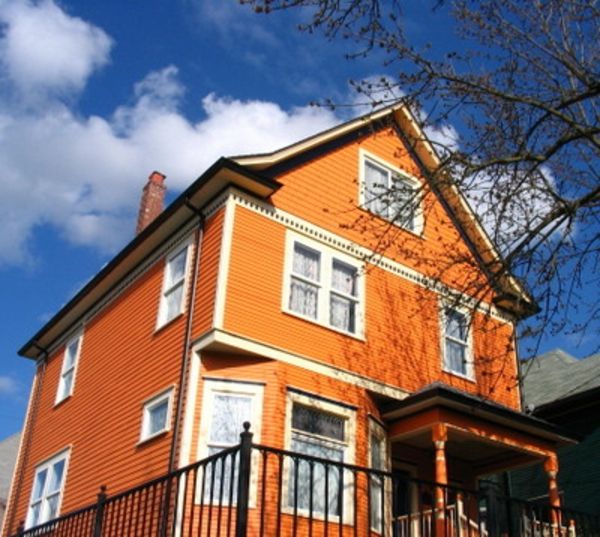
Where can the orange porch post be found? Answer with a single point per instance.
(551, 469)
(440, 436)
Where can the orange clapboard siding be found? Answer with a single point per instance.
(325, 191)
(402, 330)
(124, 361)
(278, 377)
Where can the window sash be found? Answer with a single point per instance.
(48, 484)
(69, 364)
(173, 291)
(155, 420)
(456, 342)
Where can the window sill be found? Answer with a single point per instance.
(62, 401)
(417, 234)
(357, 336)
(462, 376)
(144, 441)
(160, 327)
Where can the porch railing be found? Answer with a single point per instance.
(256, 490)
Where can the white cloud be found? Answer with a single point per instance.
(45, 51)
(8, 385)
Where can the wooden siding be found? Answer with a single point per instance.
(402, 343)
(124, 360)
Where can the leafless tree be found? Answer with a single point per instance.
(514, 113)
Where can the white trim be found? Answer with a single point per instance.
(224, 262)
(185, 450)
(469, 351)
(161, 319)
(365, 156)
(372, 257)
(233, 387)
(149, 404)
(60, 396)
(348, 445)
(221, 337)
(46, 464)
(326, 259)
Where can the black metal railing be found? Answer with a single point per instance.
(257, 490)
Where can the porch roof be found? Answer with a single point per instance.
(488, 436)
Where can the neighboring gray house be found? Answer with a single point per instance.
(9, 448)
(561, 389)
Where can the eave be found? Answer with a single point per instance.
(214, 180)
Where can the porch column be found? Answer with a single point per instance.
(440, 436)
(551, 469)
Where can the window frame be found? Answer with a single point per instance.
(349, 453)
(211, 387)
(166, 288)
(469, 373)
(377, 430)
(46, 465)
(148, 405)
(364, 158)
(327, 257)
(64, 370)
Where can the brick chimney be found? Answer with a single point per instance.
(152, 201)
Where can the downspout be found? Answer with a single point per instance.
(26, 441)
(187, 337)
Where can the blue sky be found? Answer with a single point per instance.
(96, 95)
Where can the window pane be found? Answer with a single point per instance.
(157, 417)
(306, 262)
(176, 268)
(222, 469)
(173, 302)
(376, 452)
(324, 481)
(56, 476)
(67, 383)
(343, 278)
(456, 325)
(342, 313)
(403, 206)
(34, 515)
(229, 414)
(71, 354)
(52, 506)
(40, 482)
(304, 298)
(376, 189)
(455, 357)
(314, 421)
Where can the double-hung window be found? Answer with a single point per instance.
(69, 368)
(318, 430)
(226, 406)
(156, 417)
(377, 460)
(173, 290)
(46, 495)
(457, 352)
(323, 285)
(389, 193)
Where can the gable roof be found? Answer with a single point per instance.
(556, 375)
(249, 173)
(512, 295)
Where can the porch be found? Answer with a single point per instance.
(257, 490)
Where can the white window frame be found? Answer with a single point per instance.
(61, 394)
(151, 403)
(166, 289)
(349, 415)
(63, 455)
(366, 156)
(378, 431)
(325, 289)
(469, 373)
(214, 387)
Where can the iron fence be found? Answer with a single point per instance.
(256, 490)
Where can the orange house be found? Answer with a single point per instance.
(334, 295)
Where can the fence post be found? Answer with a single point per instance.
(100, 512)
(243, 487)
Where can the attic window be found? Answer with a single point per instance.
(174, 284)
(390, 193)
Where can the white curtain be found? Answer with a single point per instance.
(304, 296)
(403, 206)
(376, 189)
(342, 309)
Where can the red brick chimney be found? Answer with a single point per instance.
(152, 202)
